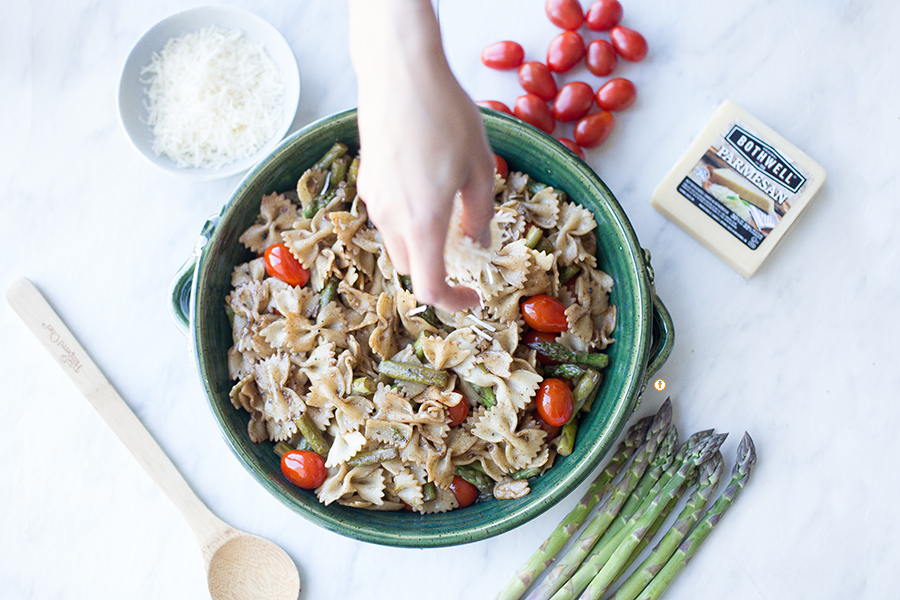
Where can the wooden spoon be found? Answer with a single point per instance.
(238, 564)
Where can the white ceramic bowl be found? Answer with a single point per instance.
(132, 96)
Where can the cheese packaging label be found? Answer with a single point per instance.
(738, 188)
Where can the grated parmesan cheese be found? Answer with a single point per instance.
(214, 97)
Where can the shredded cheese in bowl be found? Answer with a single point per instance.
(214, 97)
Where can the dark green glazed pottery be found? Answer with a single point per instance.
(644, 333)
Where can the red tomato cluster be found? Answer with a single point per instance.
(545, 103)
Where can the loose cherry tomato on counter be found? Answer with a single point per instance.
(601, 58)
(503, 56)
(304, 468)
(616, 94)
(571, 145)
(459, 412)
(465, 492)
(495, 105)
(281, 263)
(555, 402)
(533, 335)
(628, 43)
(565, 14)
(573, 101)
(545, 313)
(552, 431)
(565, 51)
(500, 166)
(535, 78)
(534, 111)
(592, 130)
(603, 15)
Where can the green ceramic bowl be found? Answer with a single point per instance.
(644, 333)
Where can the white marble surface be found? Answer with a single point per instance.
(803, 355)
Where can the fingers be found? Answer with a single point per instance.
(478, 202)
(426, 262)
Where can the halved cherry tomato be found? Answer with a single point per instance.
(555, 402)
(565, 14)
(592, 130)
(571, 145)
(304, 468)
(500, 166)
(628, 43)
(495, 105)
(552, 430)
(603, 15)
(573, 101)
(616, 94)
(545, 313)
(601, 58)
(281, 263)
(533, 335)
(459, 412)
(534, 111)
(565, 51)
(535, 78)
(465, 492)
(503, 56)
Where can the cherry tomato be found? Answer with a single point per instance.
(304, 468)
(465, 492)
(534, 111)
(565, 14)
(592, 130)
(551, 430)
(459, 412)
(500, 166)
(533, 335)
(503, 56)
(628, 43)
(555, 402)
(573, 101)
(565, 51)
(571, 145)
(601, 58)
(281, 263)
(616, 94)
(495, 105)
(545, 313)
(535, 78)
(603, 15)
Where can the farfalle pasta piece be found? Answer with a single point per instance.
(411, 315)
(383, 339)
(448, 352)
(542, 209)
(253, 271)
(306, 241)
(276, 215)
(575, 221)
(342, 482)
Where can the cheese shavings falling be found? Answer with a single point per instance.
(214, 97)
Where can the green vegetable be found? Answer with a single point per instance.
(414, 373)
(559, 353)
(373, 457)
(328, 292)
(568, 564)
(566, 371)
(543, 556)
(363, 386)
(584, 391)
(477, 478)
(746, 459)
(312, 435)
(533, 237)
(336, 151)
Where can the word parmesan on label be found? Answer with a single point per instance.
(738, 188)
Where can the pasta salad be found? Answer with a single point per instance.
(376, 401)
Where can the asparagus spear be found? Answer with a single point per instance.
(415, 373)
(371, 457)
(585, 390)
(560, 353)
(570, 561)
(637, 527)
(709, 481)
(543, 556)
(363, 386)
(481, 481)
(312, 435)
(565, 370)
(746, 458)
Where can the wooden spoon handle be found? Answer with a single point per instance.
(50, 330)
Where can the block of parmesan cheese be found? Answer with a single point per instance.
(738, 188)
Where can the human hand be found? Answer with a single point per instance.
(422, 140)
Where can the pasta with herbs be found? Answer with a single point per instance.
(351, 365)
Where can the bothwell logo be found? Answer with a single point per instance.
(765, 158)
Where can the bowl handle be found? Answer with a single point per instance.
(663, 330)
(182, 286)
